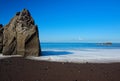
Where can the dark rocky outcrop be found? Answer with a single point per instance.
(1, 37)
(105, 44)
(21, 36)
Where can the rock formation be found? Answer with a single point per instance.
(20, 36)
(1, 37)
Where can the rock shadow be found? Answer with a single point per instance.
(52, 53)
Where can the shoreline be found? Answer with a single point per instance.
(81, 56)
(76, 56)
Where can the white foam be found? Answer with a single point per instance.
(79, 56)
(83, 56)
(8, 56)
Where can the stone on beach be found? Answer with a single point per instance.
(20, 36)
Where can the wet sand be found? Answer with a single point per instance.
(20, 69)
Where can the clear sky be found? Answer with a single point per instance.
(69, 20)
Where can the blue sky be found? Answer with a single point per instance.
(69, 20)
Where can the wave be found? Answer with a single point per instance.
(80, 56)
(76, 56)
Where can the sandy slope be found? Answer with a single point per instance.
(20, 69)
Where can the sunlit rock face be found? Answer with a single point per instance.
(20, 36)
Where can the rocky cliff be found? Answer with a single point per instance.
(20, 36)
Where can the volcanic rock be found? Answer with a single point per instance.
(21, 36)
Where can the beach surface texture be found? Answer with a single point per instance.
(63, 65)
(21, 69)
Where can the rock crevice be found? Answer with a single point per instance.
(1, 37)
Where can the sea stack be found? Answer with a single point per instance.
(20, 36)
(1, 37)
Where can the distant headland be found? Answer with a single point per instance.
(105, 43)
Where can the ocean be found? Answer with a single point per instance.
(78, 53)
(77, 46)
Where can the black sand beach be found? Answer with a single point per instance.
(20, 69)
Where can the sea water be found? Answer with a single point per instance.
(79, 52)
(77, 46)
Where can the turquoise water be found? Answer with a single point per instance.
(76, 46)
